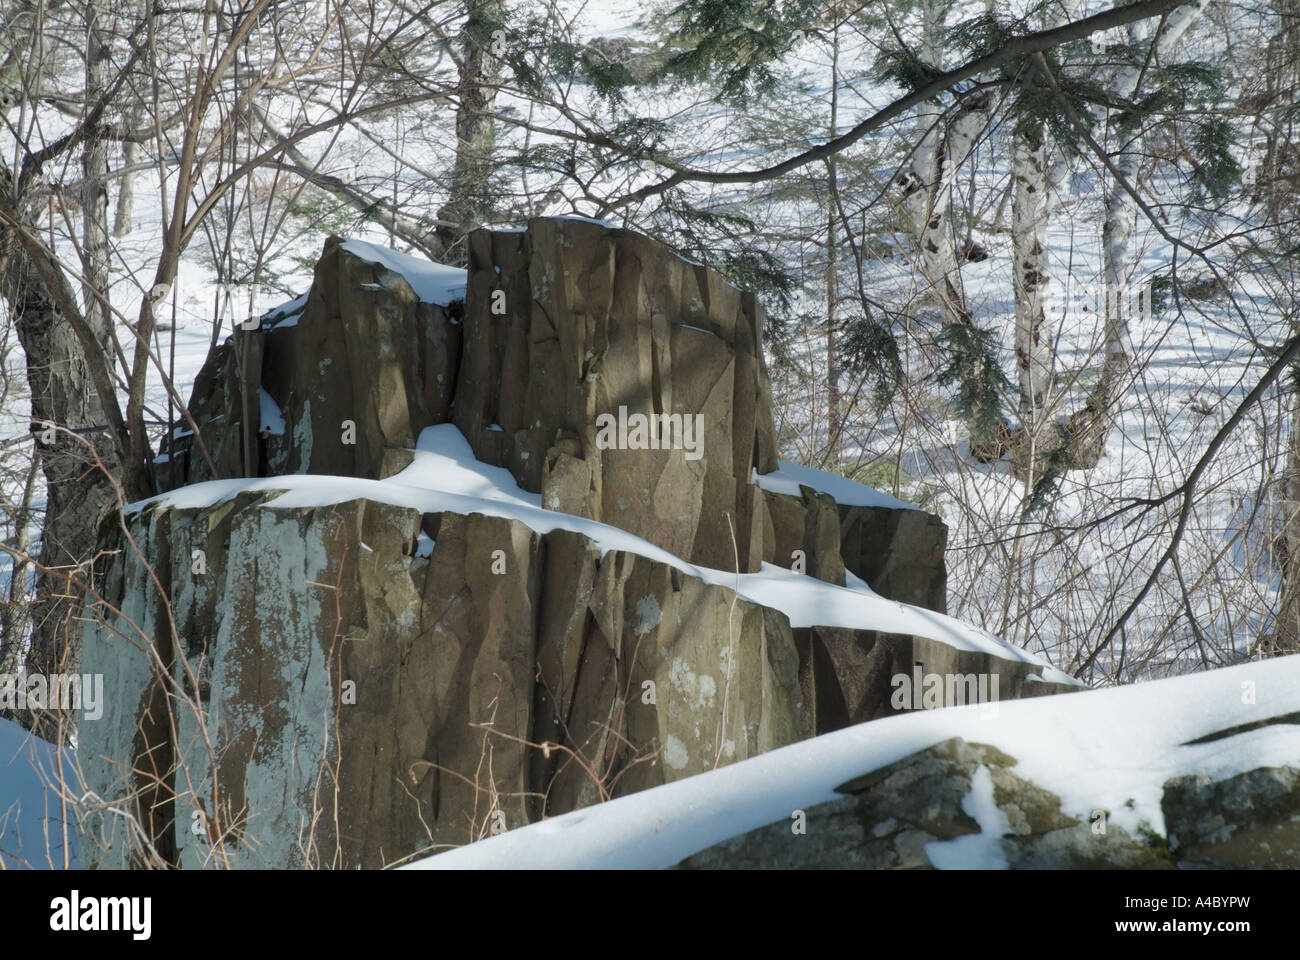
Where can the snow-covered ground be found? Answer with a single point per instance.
(37, 824)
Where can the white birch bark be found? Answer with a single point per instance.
(940, 154)
(1029, 210)
(834, 413)
(922, 166)
(1039, 170)
(1117, 232)
(94, 199)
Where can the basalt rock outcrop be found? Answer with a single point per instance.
(349, 374)
(338, 670)
(569, 322)
(558, 326)
(351, 678)
(1247, 821)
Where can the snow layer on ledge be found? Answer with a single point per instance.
(444, 476)
(286, 314)
(1107, 749)
(607, 224)
(847, 493)
(432, 282)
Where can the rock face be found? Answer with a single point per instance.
(908, 815)
(567, 326)
(358, 684)
(347, 682)
(572, 327)
(1251, 820)
(898, 552)
(849, 676)
(354, 371)
(809, 525)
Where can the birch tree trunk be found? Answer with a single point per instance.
(920, 185)
(939, 157)
(1286, 631)
(94, 194)
(1102, 410)
(1029, 209)
(940, 153)
(940, 260)
(834, 413)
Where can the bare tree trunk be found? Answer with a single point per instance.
(469, 199)
(928, 190)
(67, 424)
(1275, 180)
(94, 196)
(15, 613)
(939, 156)
(1282, 74)
(1030, 277)
(921, 180)
(126, 185)
(1102, 411)
(834, 414)
(1286, 632)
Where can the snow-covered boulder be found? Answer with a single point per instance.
(1247, 821)
(319, 639)
(435, 655)
(914, 813)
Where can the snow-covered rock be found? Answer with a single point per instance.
(448, 607)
